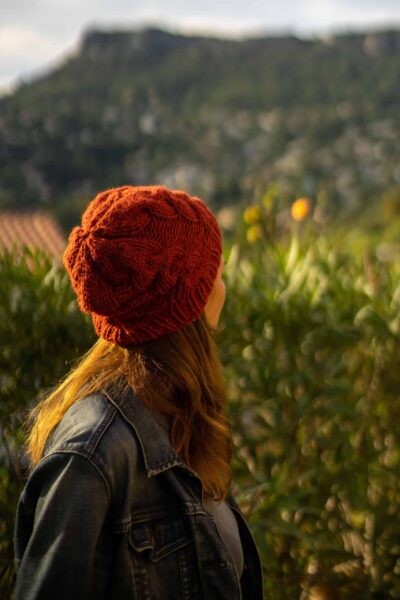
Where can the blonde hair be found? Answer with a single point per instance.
(179, 375)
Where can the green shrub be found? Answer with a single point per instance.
(41, 329)
(311, 348)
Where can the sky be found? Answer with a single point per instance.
(36, 35)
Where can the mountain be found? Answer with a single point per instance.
(219, 118)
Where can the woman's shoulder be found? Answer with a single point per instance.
(79, 424)
(92, 445)
(93, 428)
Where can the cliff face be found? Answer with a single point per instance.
(156, 41)
(148, 42)
(382, 43)
(219, 117)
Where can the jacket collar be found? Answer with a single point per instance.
(159, 455)
(158, 451)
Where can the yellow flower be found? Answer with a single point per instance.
(300, 209)
(253, 233)
(358, 519)
(251, 215)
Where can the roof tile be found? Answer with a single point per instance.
(35, 229)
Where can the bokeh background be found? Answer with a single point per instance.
(286, 121)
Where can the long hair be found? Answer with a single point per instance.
(179, 375)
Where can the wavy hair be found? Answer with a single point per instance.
(179, 375)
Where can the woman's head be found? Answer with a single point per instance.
(145, 262)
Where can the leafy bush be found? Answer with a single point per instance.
(41, 329)
(312, 350)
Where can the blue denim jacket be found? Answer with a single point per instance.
(112, 512)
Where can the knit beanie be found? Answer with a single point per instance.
(144, 261)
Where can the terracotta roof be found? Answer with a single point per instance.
(36, 229)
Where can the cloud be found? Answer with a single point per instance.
(331, 15)
(19, 40)
(21, 51)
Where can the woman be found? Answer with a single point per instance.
(129, 492)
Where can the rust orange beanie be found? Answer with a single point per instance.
(144, 261)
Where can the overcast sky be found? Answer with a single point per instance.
(37, 34)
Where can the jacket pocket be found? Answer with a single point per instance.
(164, 559)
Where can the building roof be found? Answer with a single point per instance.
(35, 229)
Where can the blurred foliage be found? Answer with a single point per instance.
(311, 346)
(215, 117)
(41, 330)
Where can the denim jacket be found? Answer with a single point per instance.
(112, 512)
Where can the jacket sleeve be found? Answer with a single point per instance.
(60, 530)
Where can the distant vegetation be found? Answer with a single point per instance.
(218, 118)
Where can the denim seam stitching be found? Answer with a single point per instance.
(94, 439)
(88, 458)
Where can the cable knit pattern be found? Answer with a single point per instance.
(144, 261)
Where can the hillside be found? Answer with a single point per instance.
(220, 118)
